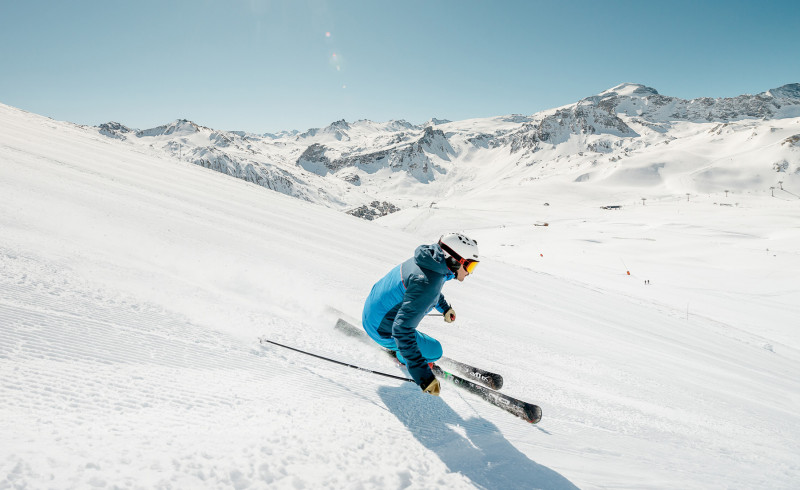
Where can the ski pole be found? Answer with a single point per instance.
(264, 340)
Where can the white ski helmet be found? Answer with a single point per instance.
(462, 248)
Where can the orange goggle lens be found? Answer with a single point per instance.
(470, 265)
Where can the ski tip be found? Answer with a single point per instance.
(533, 414)
(497, 382)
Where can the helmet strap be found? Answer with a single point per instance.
(452, 263)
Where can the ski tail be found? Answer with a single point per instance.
(349, 329)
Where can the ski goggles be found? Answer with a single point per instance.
(468, 264)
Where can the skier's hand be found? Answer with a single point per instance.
(433, 388)
(450, 315)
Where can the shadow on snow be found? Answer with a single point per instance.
(473, 447)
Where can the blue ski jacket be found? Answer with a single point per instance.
(398, 302)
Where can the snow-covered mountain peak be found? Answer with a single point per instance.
(116, 130)
(435, 121)
(630, 90)
(274, 136)
(399, 125)
(179, 127)
(337, 130)
(340, 124)
(645, 102)
(788, 91)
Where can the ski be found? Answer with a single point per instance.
(486, 378)
(526, 411)
(482, 376)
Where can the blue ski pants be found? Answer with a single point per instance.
(430, 348)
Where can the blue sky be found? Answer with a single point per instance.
(266, 66)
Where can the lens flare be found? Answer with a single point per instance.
(336, 61)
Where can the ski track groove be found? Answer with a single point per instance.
(44, 325)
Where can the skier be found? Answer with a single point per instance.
(398, 302)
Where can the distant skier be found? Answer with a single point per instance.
(399, 301)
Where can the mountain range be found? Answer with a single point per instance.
(624, 138)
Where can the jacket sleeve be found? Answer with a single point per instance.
(442, 305)
(417, 300)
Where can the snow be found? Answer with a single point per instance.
(133, 288)
(630, 90)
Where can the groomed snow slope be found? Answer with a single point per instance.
(132, 290)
